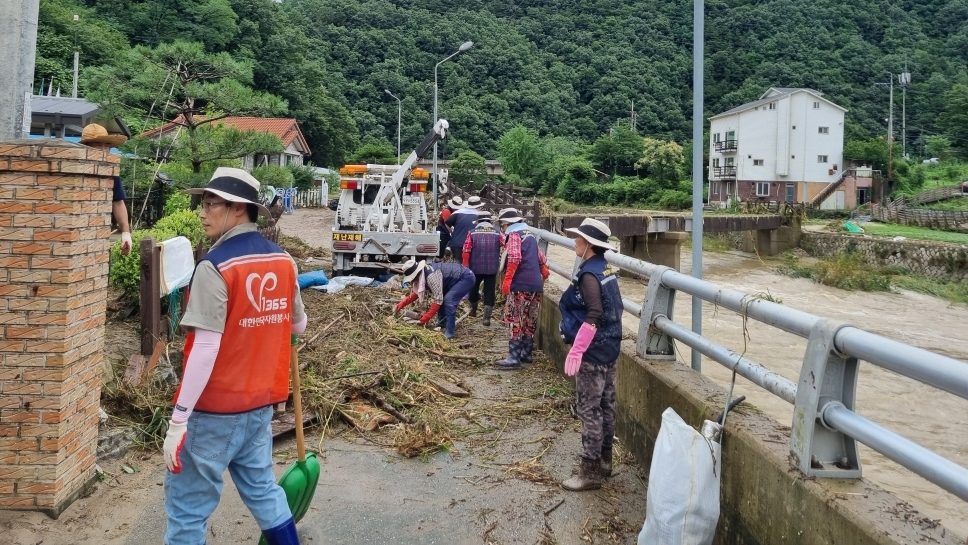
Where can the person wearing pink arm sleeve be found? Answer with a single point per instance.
(591, 322)
(243, 307)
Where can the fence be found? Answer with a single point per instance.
(825, 426)
(497, 197)
(311, 198)
(937, 194)
(896, 211)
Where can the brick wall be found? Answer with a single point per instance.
(55, 201)
(931, 259)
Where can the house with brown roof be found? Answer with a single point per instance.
(287, 129)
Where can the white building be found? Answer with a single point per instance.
(786, 146)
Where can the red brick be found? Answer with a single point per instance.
(60, 235)
(112, 158)
(17, 501)
(57, 208)
(36, 488)
(95, 154)
(15, 207)
(20, 389)
(6, 488)
(74, 195)
(74, 167)
(40, 262)
(16, 234)
(63, 152)
(35, 248)
(22, 360)
(7, 431)
(16, 150)
(14, 262)
(13, 318)
(19, 416)
(47, 318)
(47, 431)
(27, 304)
(55, 346)
(107, 170)
(12, 346)
(6, 220)
(28, 276)
(34, 194)
(13, 332)
(53, 417)
(33, 221)
(13, 290)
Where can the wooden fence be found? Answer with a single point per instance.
(312, 198)
(937, 194)
(896, 211)
(497, 197)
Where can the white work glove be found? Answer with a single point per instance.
(174, 441)
(125, 243)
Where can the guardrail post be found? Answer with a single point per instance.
(826, 377)
(659, 301)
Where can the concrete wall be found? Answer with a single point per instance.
(932, 259)
(764, 500)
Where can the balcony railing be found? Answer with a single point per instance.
(726, 146)
(724, 173)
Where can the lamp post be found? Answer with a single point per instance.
(463, 47)
(399, 109)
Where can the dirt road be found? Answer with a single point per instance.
(928, 416)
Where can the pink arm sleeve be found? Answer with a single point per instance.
(300, 327)
(198, 369)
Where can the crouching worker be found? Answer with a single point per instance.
(448, 284)
(591, 322)
(482, 254)
(243, 306)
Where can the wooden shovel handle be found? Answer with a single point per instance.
(297, 400)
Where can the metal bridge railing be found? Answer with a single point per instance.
(826, 428)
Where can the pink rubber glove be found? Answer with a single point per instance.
(582, 341)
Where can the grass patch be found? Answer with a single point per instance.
(849, 272)
(955, 204)
(913, 232)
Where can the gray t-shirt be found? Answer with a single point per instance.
(208, 304)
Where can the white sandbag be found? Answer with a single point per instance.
(338, 283)
(177, 264)
(683, 496)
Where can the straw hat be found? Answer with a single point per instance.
(233, 185)
(595, 232)
(510, 215)
(411, 267)
(456, 202)
(96, 134)
(474, 202)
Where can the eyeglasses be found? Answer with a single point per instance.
(207, 206)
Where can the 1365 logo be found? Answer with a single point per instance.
(259, 301)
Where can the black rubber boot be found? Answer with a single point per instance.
(589, 477)
(488, 309)
(513, 361)
(527, 350)
(606, 462)
(473, 312)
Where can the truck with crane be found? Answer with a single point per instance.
(381, 217)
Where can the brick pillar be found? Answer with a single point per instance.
(55, 201)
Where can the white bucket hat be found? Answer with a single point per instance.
(510, 215)
(233, 185)
(456, 202)
(474, 202)
(411, 267)
(595, 232)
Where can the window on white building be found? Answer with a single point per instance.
(816, 105)
(731, 135)
(823, 130)
(757, 162)
(821, 158)
(762, 189)
(714, 188)
(729, 189)
(715, 162)
(773, 105)
(729, 161)
(716, 137)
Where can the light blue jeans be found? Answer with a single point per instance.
(241, 443)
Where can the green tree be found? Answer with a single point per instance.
(662, 160)
(373, 154)
(937, 145)
(468, 166)
(520, 152)
(955, 118)
(197, 89)
(617, 152)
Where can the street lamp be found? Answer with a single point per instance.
(399, 109)
(463, 47)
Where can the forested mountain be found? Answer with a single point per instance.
(560, 67)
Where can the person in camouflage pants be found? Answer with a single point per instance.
(596, 409)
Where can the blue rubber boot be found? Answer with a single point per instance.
(527, 350)
(284, 534)
(451, 330)
(513, 361)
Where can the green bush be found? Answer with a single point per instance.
(183, 223)
(126, 269)
(176, 202)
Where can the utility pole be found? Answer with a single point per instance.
(18, 47)
(890, 135)
(76, 59)
(698, 40)
(904, 80)
(632, 121)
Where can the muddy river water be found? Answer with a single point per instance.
(933, 418)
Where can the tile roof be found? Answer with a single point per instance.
(783, 92)
(286, 128)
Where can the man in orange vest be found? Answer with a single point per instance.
(243, 306)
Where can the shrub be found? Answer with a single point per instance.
(183, 223)
(126, 269)
(177, 201)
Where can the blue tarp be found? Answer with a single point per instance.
(312, 278)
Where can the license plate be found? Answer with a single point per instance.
(411, 199)
(350, 237)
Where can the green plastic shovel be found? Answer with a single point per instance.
(299, 481)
